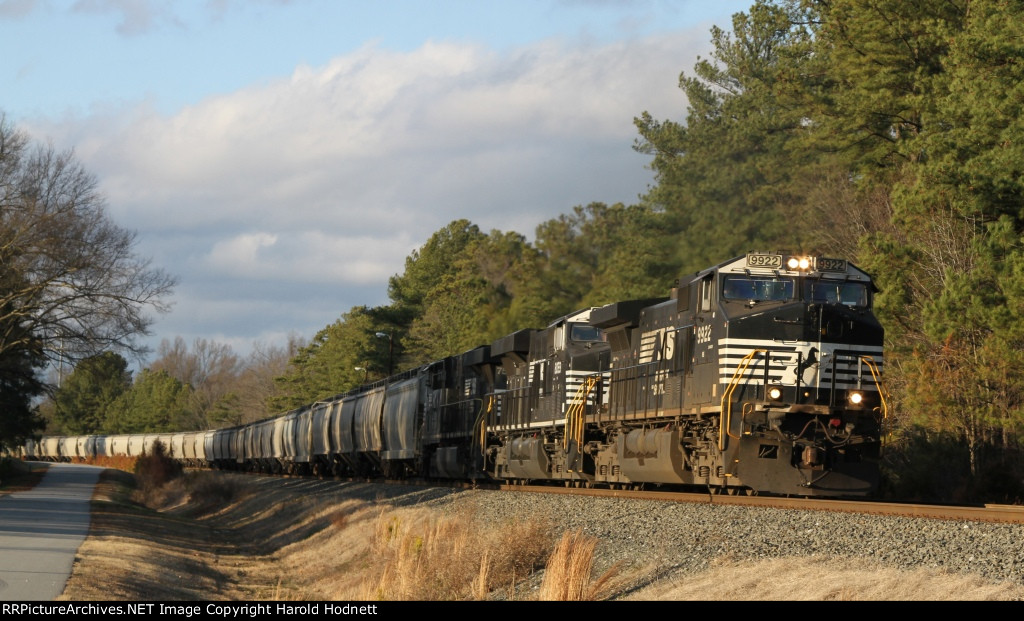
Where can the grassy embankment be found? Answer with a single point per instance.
(230, 535)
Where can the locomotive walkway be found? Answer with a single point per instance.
(41, 531)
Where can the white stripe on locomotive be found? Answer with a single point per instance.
(784, 359)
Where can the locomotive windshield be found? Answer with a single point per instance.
(830, 292)
(757, 288)
(581, 332)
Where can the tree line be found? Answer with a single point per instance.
(885, 131)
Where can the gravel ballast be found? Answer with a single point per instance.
(688, 537)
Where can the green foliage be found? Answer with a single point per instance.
(452, 321)
(155, 402)
(82, 400)
(601, 254)
(19, 384)
(328, 365)
(948, 129)
(426, 267)
(468, 303)
(883, 61)
(728, 178)
(211, 371)
(925, 465)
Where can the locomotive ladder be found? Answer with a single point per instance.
(480, 425)
(575, 414)
(876, 375)
(725, 419)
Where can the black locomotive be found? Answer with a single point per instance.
(758, 375)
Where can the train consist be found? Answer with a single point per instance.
(758, 375)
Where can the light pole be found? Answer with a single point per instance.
(391, 350)
(365, 372)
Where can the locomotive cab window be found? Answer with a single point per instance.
(707, 293)
(582, 333)
(757, 289)
(854, 294)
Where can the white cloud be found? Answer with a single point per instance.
(337, 141)
(334, 174)
(237, 256)
(308, 256)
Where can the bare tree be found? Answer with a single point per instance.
(71, 283)
(210, 368)
(225, 389)
(257, 387)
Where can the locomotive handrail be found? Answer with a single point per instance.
(640, 374)
(876, 375)
(513, 399)
(486, 406)
(575, 414)
(726, 418)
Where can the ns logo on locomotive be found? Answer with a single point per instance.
(758, 375)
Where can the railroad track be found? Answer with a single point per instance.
(995, 513)
(1006, 514)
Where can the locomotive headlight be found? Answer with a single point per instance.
(775, 393)
(801, 263)
(856, 397)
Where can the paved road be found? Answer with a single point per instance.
(41, 530)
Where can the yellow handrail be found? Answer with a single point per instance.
(574, 415)
(877, 376)
(481, 421)
(726, 418)
(725, 422)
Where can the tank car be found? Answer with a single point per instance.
(424, 422)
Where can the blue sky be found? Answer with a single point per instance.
(284, 157)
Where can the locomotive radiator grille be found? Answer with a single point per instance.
(801, 363)
(575, 384)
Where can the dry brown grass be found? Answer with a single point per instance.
(233, 537)
(420, 555)
(120, 462)
(568, 574)
(135, 553)
(824, 579)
